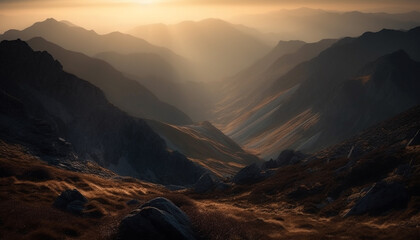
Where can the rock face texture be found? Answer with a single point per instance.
(56, 113)
(71, 200)
(156, 219)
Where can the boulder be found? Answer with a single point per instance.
(156, 219)
(383, 196)
(248, 175)
(71, 200)
(205, 183)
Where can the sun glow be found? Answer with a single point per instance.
(146, 2)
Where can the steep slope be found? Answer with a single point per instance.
(300, 105)
(219, 48)
(245, 91)
(78, 39)
(206, 145)
(126, 94)
(314, 24)
(55, 105)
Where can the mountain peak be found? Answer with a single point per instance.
(18, 46)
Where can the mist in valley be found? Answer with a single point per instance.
(196, 119)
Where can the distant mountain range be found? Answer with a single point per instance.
(317, 103)
(314, 24)
(90, 43)
(219, 49)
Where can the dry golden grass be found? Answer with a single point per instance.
(266, 210)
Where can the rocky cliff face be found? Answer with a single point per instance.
(42, 100)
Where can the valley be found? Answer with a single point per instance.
(297, 123)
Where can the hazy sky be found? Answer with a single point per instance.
(109, 15)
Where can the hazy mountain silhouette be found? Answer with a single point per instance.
(78, 39)
(195, 98)
(55, 103)
(141, 65)
(314, 24)
(302, 110)
(218, 48)
(126, 94)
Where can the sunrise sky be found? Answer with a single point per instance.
(109, 15)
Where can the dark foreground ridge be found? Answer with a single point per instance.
(58, 115)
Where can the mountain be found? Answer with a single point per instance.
(245, 91)
(306, 108)
(125, 93)
(372, 176)
(205, 145)
(218, 48)
(78, 39)
(56, 113)
(314, 24)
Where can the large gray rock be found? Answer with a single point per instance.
(71, 200)
(205, 183)
(248, 175)
(381, 197)
(156, 219)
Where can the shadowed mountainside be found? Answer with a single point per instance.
(49, 110)
(247, 88)
(125, 93)
(298, 109)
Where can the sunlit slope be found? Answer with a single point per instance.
(206, 145)
(314, 104)
(246, 90)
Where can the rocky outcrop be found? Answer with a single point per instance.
(248, 175)
(156, 219)
(287, 157)
(71, 200)
(205, 183)
(383, 196)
